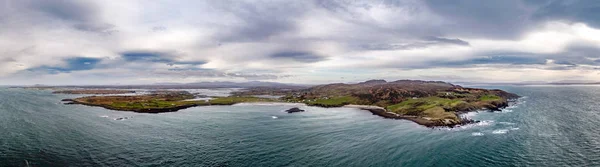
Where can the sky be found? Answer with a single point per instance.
(93, 42)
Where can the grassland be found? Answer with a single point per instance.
(489, 98)
(332, 102)
(155, 103)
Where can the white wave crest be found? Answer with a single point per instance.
(515, 128)
(480, 123)
(469, 115)
(500, 131)
(274, 117)
(506, 123)
(476, 134)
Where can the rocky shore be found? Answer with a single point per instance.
(382, 112)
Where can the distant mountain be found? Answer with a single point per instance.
(196, 85)
(251, 84)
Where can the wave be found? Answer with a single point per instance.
(500, 131)
(469, 114)
(506, 123)
(468, 126)
(477, 134)
(274, 117)
(515, 128)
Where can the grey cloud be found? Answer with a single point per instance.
(107, 29)
(572, 10)
(80, 15)
(300, 56)
(7, 59)
(73, 10)
(448, 40)
(571, 58)
(426, 42)
(496, 19)
(260, 21)
(509, 19)
(200, 72)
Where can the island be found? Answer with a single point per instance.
(428, 103)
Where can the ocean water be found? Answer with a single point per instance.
(550, 126)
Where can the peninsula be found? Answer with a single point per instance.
(428, 103)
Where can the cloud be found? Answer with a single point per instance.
(309, 41)
(297, 56)
(426, 42)
(455, 41)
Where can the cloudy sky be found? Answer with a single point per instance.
(293, 41)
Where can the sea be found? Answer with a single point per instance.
(548, 126)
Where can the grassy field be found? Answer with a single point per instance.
(489, 98)
(333, 102)
(159, 101)
(422, 104)
(233, 100)
(432, 107)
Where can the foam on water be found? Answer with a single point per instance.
(476, 134)
(274, 117)
(500, 131)
(468, 126)
(506, 123)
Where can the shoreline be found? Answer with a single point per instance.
(382, 112)
(375, 110)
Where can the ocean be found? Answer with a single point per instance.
(549, 126)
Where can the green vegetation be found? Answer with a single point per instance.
(162, 102)
(418, 106)
(438, 113)
(489, 98)
(233, 100)
(431, 108)
(153, 104)
(332, 102)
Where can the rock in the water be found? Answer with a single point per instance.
(293, 110)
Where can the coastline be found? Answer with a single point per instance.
(382, 112)
(375, 110)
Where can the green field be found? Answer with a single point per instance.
(333, 102)
(433, 107)
(489, 98)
